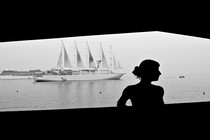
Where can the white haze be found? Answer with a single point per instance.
(177, 54)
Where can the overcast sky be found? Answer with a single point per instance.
(177, 54)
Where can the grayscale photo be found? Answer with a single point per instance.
(100, 70)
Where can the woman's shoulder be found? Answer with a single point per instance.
(157, 87)
(131, 87)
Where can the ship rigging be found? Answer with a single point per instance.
(93, 69)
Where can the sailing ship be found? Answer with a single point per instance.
(92, 70)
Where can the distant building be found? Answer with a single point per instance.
(21, 73)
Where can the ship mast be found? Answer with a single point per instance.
(104, 61)
(60, 59)
(111, 66)
(87, 55)
(79, 59)
(100, 57)
(90, 59)
(62, 48)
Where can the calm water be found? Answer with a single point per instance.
(27, 95)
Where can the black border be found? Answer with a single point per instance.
(21, 25)
(42, 22)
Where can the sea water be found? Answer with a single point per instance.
(25, 94)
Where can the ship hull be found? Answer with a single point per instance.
(62, 78)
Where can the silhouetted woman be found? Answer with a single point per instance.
(144, 95)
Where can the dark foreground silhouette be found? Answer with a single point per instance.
(144, 95)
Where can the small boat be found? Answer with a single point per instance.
(181, 76)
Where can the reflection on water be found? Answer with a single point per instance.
(27, 95)
(89, 93)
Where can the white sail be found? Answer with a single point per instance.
(79, 59)
(91, 60)
(60, 59)
(119, 65)
(116, 66)
(104, 61)
(67, 63)
(63, 61)
(116, 62)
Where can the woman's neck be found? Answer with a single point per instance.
(145, 82)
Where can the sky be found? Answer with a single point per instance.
(177, 54)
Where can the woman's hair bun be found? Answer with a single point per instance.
(136, 71)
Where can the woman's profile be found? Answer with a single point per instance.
(144, 94)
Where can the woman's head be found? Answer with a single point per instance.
(148, 69)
